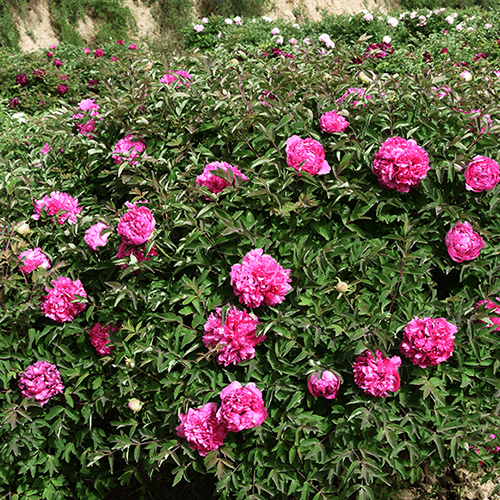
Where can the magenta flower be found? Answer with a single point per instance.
(99, 337)
(62, 89)
(489, 304)
(136, 226)
(327, 386)
(22, 79)
(377, 376)
(61, 303)
(332, 122)
(32, 259)
(214, 183)
(87, 51)
(127, 149)
(427, 341)
(235, 339)
(259, 279)
(242, 407)
(170, 77)
(93, 236)
(132, 46)
(40, 381)
(98, 53)
(400, 164)
(481, 174)
(45, 149)
(57, 63)
(463, 243)
(125, 250)
(306, 155)
(202, 429)
(50, 54)
(88, 104)
(119, 42)
(58, 203)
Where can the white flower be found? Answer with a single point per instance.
(307, 41)
(387, 39)
(275, 31)
(268, 19)
(135, 405)
(297, 26)
(199, 27)
(228, 21)
(279, 40)
(393, 22)
(449, 19)
(237, 19)
(204, 20)
(293, 41)
(368, 17)
(20, 117)
(466, 75)
(413, 15)
(487, 26)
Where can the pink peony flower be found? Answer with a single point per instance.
(259, 279)
(377, 376)
(214, 183)
(93, 236)
(136, 226)
(86, 128)
(31, 259)
(332, 122)
(56, 62)
(132, 46)
(463, 242)
(199, 27)
(125, 250)
(306, 155)
(489, 304)
(327, 386)
(40, 381)
(427, 341)
(128, 149)
(400, 164)
(87, 51)
(98, 53)
(99, 337)
(87, 104)
(119, 42)
(49, 54)
(481, 174)
(202, 428)
(170, 77)
(235, 339)
(242, 407)
(58, 203)
(61, 303)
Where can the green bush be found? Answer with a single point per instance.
(387, 247)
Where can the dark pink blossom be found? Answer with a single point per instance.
(327, 386)
(125, 250)
(40, 381)
(99, 337)
(94, 237)
(61, 303)
(495, 308)
(306, 155)
(98, 53)
(58, 203)
(202, 428)
(331, 122)
(136, 226)
(481, 174)
(214, 183)
(427, 341)
(463, 243)
(400, 164)
(127, 149)
(377, 376)
(241, 407)
(259, 279)
(32, 259)
(234, 339)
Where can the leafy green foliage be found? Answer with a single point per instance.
(387, 246)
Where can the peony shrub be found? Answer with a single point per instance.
(343, 267)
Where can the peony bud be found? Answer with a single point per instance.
(135, 405)
(22, 228)
(342, 287)
(130, 363)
